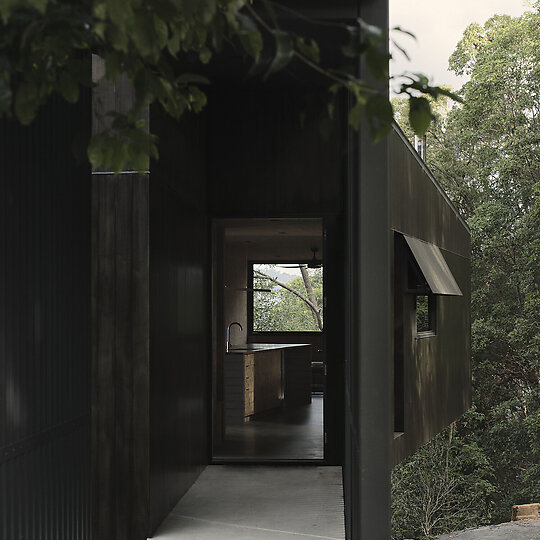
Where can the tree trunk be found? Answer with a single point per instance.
(309, 289)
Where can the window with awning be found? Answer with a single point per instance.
(433, 267)
(428, 277)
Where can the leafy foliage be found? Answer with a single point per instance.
(487, 156)
(45, 47)
(280, 310)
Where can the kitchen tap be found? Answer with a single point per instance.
(229, 333)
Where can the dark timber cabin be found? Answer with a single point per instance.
(113, 307)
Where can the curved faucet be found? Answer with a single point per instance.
(229, 333)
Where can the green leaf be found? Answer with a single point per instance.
(252, 43)
(403, 31)
(95, 151)
(139, 161)
(143, 34)
(377, 62)
(161, 32)
(247, 24)
(356, 46)
(373, 32)
(6, 6)
(100, 29)
(120, 12)
(26, 102)
(205, 55)
(309, 50)
(174, 42)
(197, 98)
(6, 95)
(419, 114)
(284, 51)
(355, 114)
(40, 5)
(68, 87)
(379, 114)
(120, 156)
(100, 10)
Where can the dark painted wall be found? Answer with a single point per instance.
(265, 161)
(45, 326)
(179, 314)
(432, 374)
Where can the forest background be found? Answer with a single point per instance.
(486, 155)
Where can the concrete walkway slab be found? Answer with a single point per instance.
(260, 503)
(515, 530)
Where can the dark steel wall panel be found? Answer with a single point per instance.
(432, 374)
(45, 326)
(418, 206)
(179, 314)
(436, 370)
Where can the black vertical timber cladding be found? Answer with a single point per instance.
(45, 326)
(179, 314)
(120, 366)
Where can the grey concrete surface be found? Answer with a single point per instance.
(515, 530)
(230, 502)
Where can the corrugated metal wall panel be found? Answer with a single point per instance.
(45, 326)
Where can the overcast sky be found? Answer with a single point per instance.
(438, 26)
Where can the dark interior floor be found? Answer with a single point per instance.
(294, 433)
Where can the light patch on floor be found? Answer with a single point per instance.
(260, 503)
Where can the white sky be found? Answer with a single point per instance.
(438, 26)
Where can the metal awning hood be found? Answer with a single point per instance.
(434, 267)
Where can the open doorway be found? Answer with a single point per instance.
(268, 340)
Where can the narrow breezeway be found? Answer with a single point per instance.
(260, 503)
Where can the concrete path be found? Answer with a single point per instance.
(515, 530)
(239, 502)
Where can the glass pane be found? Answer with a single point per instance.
(295, 300)
(422, 313)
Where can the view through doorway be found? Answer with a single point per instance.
(268, 340)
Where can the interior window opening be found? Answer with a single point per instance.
(287, 297)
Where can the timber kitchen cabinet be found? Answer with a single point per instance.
(256, 379)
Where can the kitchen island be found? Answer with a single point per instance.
(262, 376)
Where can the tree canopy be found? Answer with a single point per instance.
(45, 47)
(486, 154)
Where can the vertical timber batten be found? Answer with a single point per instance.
(120, 357)
(368, 337)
